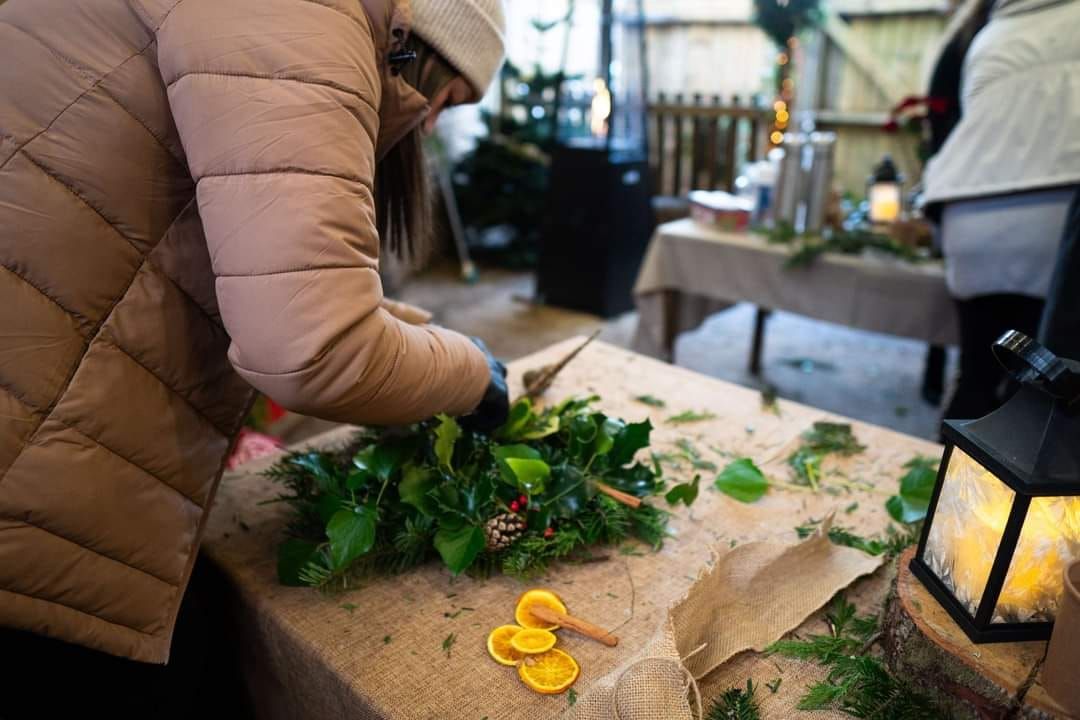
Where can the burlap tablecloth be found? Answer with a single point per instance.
(692, 271)
(377, 652)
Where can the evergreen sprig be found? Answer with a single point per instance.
(736, 704)
(857, 684)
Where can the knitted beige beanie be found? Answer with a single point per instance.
(470, 34)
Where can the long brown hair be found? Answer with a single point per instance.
(402, 200)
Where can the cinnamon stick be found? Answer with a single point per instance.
(619, 495)
(578, 625)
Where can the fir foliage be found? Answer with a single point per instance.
(736, 704)
(857, 684)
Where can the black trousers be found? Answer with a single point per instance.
(43, 678)
(983, 384)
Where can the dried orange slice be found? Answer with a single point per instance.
(537, 597)
(532, 641)
(499, 645)
(548, 673)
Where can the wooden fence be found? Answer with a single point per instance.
(700, 143)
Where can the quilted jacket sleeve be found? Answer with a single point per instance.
(276, 104)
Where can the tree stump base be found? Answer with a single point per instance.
(995, 681)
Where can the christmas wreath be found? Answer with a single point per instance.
(545, 486)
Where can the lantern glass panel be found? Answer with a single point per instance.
(967, 527)
(1049, 542)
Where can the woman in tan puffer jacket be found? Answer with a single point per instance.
(188, 211)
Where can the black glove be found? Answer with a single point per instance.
(494, 408)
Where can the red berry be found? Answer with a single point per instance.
(549, 532)
(523, 500)
(514, 507)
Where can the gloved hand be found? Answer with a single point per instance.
(494, 408)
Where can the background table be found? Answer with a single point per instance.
(692, 271)
(372, 652)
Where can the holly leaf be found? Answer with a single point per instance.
(517, 420)
(352, 533)
(742, 480)
(459, 545)
(382, 459)
(686, 493)
(293, 555)
(638, 480)
(568, 491)
(416, 483)
(607, 430)
(916, 488)
(446, 436)
(627, 441)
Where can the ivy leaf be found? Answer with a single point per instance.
(530, 475)
(459, 545)
(416, 483)
(628, 441)
(293, 555)
(685, 492)
(506, 452)
(742, 480)
(384, 458)
(916, 488)
(351, 533)
(327, 505)
(446, 436)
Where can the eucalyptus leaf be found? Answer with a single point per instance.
(446, 436)
(293, 555)
(459, 545)
(916, 489)
(742, 480)
(352, 533)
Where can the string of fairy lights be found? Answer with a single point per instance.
(785, 92)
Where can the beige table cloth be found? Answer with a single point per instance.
(692, 271)
(377, 651)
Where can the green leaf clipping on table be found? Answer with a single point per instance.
(686, 493)
(651, 401)
(916, 488)
(691, 416)
(742, 480)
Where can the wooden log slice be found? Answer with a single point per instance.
(996, 681)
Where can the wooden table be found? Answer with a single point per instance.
(692, 271)
(372, 652)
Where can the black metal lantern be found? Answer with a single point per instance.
(1004, 519)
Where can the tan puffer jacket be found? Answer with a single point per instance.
(181, 179)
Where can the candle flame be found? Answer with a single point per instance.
(600, 109)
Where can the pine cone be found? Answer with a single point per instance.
(502, 530)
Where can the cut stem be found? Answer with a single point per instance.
(578, 625)
(619, 495)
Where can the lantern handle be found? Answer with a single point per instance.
(1030, 363)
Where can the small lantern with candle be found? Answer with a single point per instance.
(884, 192)
(1004, 519)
